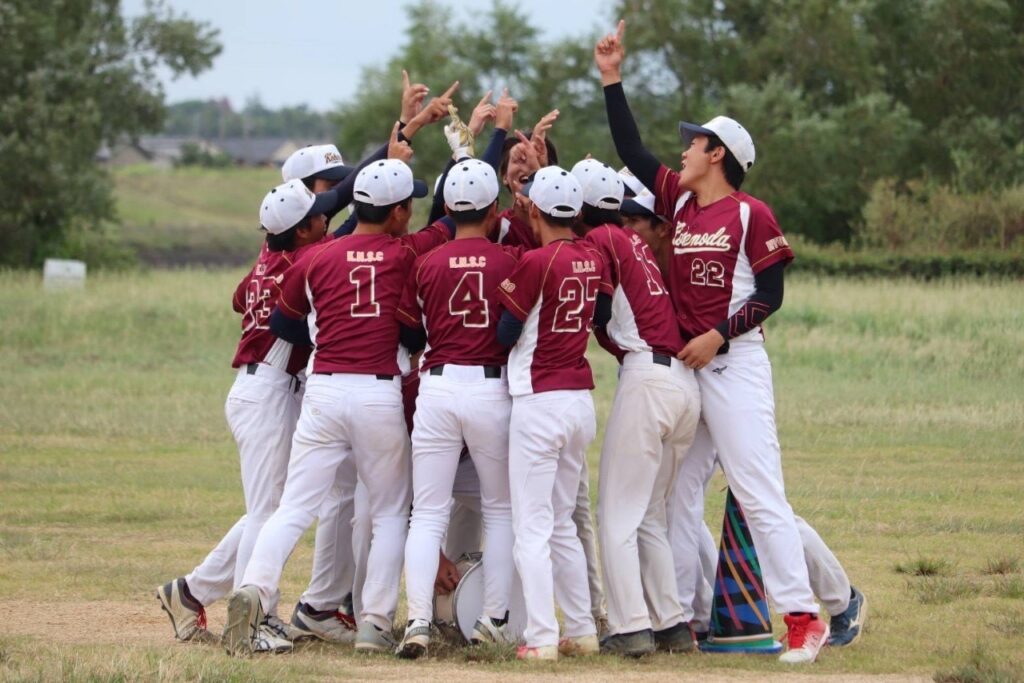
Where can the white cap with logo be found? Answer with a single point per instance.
(555, 192)
(316, 161)
(287, 204)
(734, 136)
(471, 184)
(602, 186)
(386, 182)
(632, 183)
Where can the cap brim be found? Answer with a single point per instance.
(688, 131)
(419, 189)
(525, 191)
(633, 208)
(339, 172)
(321, 204)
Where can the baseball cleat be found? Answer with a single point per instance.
(846, 627)
(324, 625)
(678, 638)
(543, 653)
(188, 616)
(416, 639)
(601, 622)
(489, 630)
(373, 639)
(578, 646)
(346, 613)
(245, 616)
(269, 641)
(280, 629)
(635, 644)
(804, 639)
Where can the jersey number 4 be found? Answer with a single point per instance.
(573, 295)
(467, 300)
(365, 280)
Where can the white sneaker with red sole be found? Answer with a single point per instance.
(805, 637)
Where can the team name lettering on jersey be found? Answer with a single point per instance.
(689, 242)
(364, 256)
(467, 262)
(776, 243)
(584, 267)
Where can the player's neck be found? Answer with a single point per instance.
(549, 234)
(711, 188)
(472, 231)
(370, 229)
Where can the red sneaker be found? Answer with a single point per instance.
(804, 639)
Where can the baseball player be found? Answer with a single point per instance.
(549, 303)
(463, 399)
(262, 408)
(352, 409)
(649, 429)
(725, 278)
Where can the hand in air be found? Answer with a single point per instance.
(505, 111)
(610, 51)
(482, 113)
(398, 149)
(413, 95)
(539, 136)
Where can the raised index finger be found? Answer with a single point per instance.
(485, 99)
(405, 79)
(394, 132)
(451, 89)
(620, 32)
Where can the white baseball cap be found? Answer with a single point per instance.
(734, 136)
(632, 183)
(640, 205)
(386, 182)
(315, 161)
(555, 191)
(287, 204)
(602, 186)
(471, 184)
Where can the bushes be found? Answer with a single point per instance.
(837, 261)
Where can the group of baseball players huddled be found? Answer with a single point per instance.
(425, 396)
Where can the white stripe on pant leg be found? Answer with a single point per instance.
(827, 576)
(436, 443)
(739, 409)
(533, 463)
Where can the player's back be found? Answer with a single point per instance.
(452, 293)
(553, 291)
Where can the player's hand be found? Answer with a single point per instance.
(435, 110)
(413, 95)
(505, 111)
(482, 113)
(700, 351)
(460, 137)
(526, 153)
(447, 576)
(540, 134)
(398, 149)
(609, 53)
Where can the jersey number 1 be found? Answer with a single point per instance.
(366, 305)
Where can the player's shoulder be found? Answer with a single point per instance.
(760, 211)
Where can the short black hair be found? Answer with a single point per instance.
(375, 215)
(559, 221)
(594, 216)
(471, 216)
(285, 241)
(309, 182)
(734, 173)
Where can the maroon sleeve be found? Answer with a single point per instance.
(601, 334)
(605, 270)
(766, 245)
(409, 312)
(666, 192)
(238, 300)
(292, 300)
(422, 241)
(521, 289)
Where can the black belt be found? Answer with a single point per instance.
(490, 371)
(662, 359)
(296, 383)
(386, 378)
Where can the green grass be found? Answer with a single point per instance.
(900, 413)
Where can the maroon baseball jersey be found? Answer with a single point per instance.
(255, 298)
(717, 250)
(642, 314)
(349, 289)
(553, 291)
(452, 292)
(514, 232)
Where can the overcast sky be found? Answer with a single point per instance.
(287, 51)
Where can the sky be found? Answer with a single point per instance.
(285, 51)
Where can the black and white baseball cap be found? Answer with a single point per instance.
(602, 186)
(387, 182)
(471, 184)
(633, 186)
(734, 136)
(555, 191)
(315, 161)
(287, 204)
(641, 205)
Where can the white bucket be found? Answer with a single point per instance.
(63, 274)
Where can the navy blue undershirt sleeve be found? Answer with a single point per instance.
(414, 339)
(509, 329)
(347, 227)
(289, 329)
(766, 299)
(626, 137)
(602, 310)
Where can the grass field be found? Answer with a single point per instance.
(901, 412)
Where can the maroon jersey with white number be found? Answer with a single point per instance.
(255, 298)
(513, 232)
(717, 250)
(349, 290)
(642, 315)
(452, 292)
(553, 291)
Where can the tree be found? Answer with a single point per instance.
(77, 75)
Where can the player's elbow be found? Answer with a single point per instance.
(509, 329)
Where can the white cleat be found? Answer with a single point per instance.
(328, 626)
(487, 630)
(373, 639)
(188, 617)
(269, 641)
(415, 641)
(578, 646)
(245, 616)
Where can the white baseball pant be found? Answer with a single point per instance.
(548, 438)
(738, 406)
(344, 416)
(584, 522)
(465, 532)
(459, 406)
(362, 535)
(261, 410)
(333, 563)
(649, 429)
